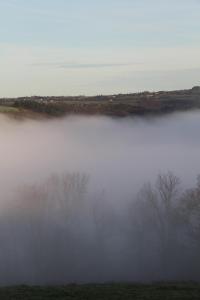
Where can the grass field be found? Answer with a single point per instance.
(104, 292)
(8, 109)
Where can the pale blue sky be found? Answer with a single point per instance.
(96, 47)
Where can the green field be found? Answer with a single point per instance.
(104, 292)
(8, 109)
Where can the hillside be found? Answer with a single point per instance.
(113, 105)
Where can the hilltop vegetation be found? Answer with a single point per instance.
(114, 105)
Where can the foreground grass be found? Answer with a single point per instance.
(104, 292)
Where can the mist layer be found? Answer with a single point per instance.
(69, 198)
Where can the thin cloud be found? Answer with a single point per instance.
(83, 65)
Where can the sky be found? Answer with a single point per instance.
(87, 47)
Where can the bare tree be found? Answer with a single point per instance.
(160, 213)
(191, 212)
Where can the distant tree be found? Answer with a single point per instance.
(191, 212)
(160, 212)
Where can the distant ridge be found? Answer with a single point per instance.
(114, 105)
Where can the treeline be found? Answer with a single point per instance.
(61, 108)
(60, 232)
(52, 109)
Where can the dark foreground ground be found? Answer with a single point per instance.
(104, 292)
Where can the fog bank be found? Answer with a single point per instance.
(69, 198)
